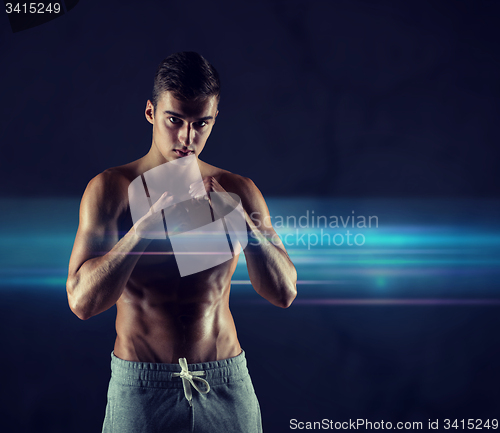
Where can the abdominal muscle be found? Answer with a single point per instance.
(163, 317)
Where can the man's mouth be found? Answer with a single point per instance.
(182, 154)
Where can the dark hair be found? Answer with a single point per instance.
(188, 76)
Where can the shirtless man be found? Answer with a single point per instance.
(162, 317)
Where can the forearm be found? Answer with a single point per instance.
(100, 281)
(271, 271)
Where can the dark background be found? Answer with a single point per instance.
(331, 99)
(341, 98)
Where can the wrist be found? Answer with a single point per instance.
(139, 242)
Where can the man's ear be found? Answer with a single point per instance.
(216, 115)
(150, 112)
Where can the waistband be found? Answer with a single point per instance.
(160, 375)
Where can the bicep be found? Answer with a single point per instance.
(98, 227)
(258, 212)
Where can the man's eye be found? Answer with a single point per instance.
(201, 123)
(174, 120)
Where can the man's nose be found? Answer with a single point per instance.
(185, 135)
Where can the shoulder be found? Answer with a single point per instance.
(242, 186)
(111, 184)
(238, 184)
(231, 182)
(251, 198)
(107, 193)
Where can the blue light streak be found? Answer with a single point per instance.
(423, 250)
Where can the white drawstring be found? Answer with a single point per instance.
(188, 377)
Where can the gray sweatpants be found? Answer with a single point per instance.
(148, 397)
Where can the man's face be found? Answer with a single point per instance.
(181, 128)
